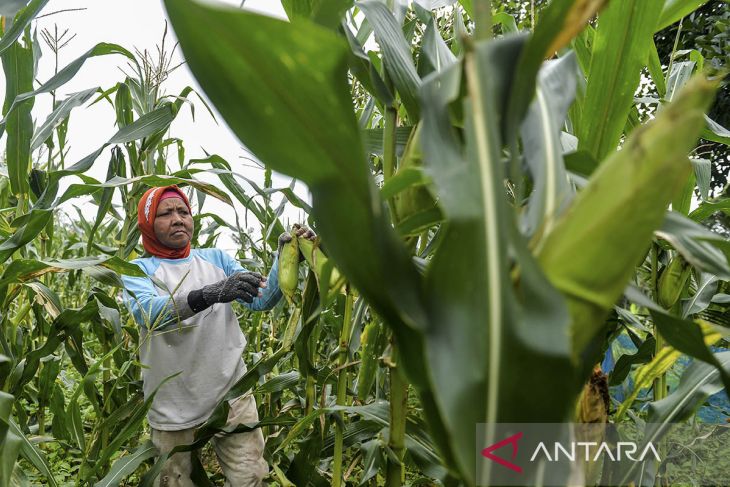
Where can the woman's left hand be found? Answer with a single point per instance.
(300, 231)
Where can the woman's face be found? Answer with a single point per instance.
(173, 223)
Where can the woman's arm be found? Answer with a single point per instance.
(150, 310)
(270, 295)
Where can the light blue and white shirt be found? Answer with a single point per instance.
(206, 348)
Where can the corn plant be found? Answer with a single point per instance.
(482, 239)
(47, 292)
(520, 269)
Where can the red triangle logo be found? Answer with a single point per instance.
(512, 440)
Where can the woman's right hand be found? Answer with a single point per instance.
(241, 285)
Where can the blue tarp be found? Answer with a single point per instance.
(716, 409)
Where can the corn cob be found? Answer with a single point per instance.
(372, 342)
(415, 199)
(289, 268)
(317, 260)
(672, 281)
(291, 327)
(594, 247)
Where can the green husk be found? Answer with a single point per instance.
(672, 281)
(318, 262)
(289, 268)
(415, 199)
(372, 341)
(592, 251)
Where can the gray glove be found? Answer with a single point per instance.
(241, 285)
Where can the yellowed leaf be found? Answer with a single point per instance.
(578, 16)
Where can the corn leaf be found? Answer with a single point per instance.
(559, 22)
(716, 132)
(507, 21)
(435, 54)
(706, 289)
(396, 53)
(229, 181)
(181, 177)
(115, 168)
(34, 224)
(34, 455)
(703, 173)
(708, 208)
(67, 73)
(695, 243)
(324, 12)
(18, 68)
(655, 70)
(698, 382)
(620, 50)
(468, 7)
(674, 10)
(65, 326)
(678, 77)
(147, 125)
(643, 355)
(373, 140)
(131, 425)
(541, 143)
(362, 67)
(20, 22)
(58, 115)
(46, 298)
(403, 180)
(127, 464)
(21, 270)
(10, 443)
(279, 383)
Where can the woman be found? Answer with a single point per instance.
(188, 327)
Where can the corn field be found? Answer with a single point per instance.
(506, 234)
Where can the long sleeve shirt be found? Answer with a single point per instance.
(205, 348)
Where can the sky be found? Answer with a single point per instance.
(139, 24)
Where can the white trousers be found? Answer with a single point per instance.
(240, 455)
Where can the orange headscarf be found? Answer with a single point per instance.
(146, 212)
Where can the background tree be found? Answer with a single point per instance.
(706, 30)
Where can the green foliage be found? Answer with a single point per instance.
(477, 224)
(465, 126)
(19, 73)
(619, 53)
(704, 31)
